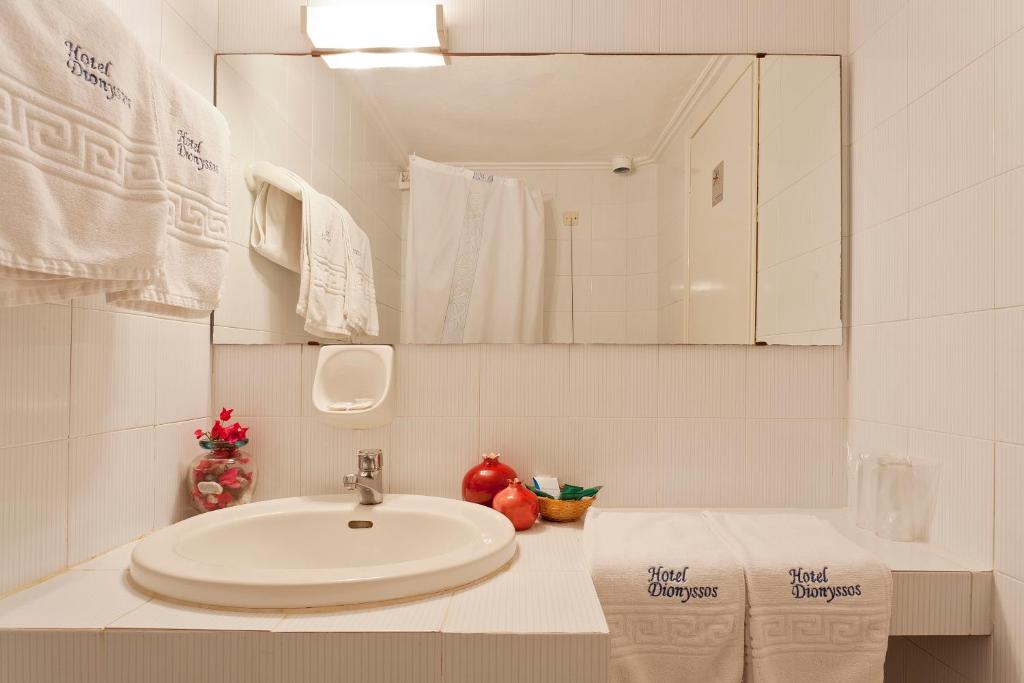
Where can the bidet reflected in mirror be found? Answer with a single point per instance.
(548, 198)
(325, 550)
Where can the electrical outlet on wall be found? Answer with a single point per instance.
(571, 219)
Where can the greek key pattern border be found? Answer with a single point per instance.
(781, 632)
(196, 219)
(63, 141)
(632, 631)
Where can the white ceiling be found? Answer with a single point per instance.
(550, 108)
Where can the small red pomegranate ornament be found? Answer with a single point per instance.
(519, 504)
(485, 479)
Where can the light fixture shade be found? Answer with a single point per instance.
(379, 60)
(373, 24)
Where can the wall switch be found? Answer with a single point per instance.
(571, 219)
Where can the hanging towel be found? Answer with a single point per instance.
(82, 191)
(474, 267)
(818, 604)
(337, 296)
(277, 226)
(673, 596)
(194, 152)
(361, 297)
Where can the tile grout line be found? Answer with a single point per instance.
(67, 441)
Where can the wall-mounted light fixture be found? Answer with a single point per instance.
(368, 34)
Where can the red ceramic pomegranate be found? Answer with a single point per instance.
(484, 480)
(519, 504)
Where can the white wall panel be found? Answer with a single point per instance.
(35, 344)
(33, 527)
(110, 501)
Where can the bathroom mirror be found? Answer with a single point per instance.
(549, 198)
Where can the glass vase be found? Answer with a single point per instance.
(222, 476)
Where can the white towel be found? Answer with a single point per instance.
(336, 290)
(818, 604)
(361, 297)
(673, 596)
(195, 150)
(277, 226)
(82, 191)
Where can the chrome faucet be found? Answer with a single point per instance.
(369, 481)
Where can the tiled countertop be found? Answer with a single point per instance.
(548, 572)
(527, 617)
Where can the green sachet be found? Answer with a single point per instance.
(572, 492)
(569, 492)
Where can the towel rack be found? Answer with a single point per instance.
(264, 171)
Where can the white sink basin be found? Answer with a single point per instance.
(325, 550)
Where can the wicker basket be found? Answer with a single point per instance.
(563, 510)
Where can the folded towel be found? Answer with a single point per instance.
(277, 226)
(818, 604)
(83, 196)
(195, 149)
(673, 596)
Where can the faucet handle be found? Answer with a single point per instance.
(370, 459)
(350, 482)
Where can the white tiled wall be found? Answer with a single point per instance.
(297, 113)
(935, 353)
(615, 256)
(658, 425)
(670, 26)
(97, 406)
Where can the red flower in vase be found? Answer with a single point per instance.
(220, 431)
(217, 433)
(235, 433)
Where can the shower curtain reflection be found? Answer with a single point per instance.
(474, 258)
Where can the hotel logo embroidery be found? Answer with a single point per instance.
(191, 149)
(669, 583)
(814, 584)
(94, 71)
